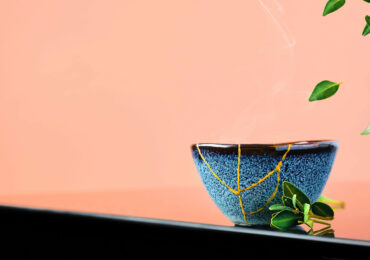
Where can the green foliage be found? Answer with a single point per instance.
(366, 30)
(287, 202)
(289, 190)
(366, 131)
(294, 200)
(322, 210)
(306, 210)
(323, 90)
(279, 207)
(296, 209)
(284, 219)
(332, 6)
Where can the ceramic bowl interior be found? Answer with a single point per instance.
(244, 179)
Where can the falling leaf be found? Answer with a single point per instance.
(367, 130)
(332, 6)
(366, 30)
(323, 90)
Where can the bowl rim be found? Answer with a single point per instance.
(301, 145)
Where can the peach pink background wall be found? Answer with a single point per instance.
(99, 95)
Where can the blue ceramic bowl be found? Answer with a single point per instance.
(243, 180)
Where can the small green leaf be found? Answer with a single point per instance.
(332, 6)
(285, 219)
(289, 189)
(366, 30)
(367, 130)
(323, 210)
(368, 1)
(323, 90)
(294, 200)
(279, 207)
(306, 210)
(287, 202)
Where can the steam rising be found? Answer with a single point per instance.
(250, 116)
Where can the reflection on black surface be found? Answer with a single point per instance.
(325, 232)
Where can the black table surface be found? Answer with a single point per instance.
(61, 234)
(166, 220)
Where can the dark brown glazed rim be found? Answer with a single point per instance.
(300, 145)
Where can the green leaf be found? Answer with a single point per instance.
(323, 210)
(366, 30)
(294, 200)
(285, 219)
(332, 6)
(367, 130)
(323, 90)
(367, 1)
(279, 207)
(306, 210)
(289, 189)
(287, 202)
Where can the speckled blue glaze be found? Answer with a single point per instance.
(307, 165)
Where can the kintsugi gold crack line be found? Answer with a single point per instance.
(238, 191)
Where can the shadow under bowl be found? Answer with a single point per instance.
(244, 179)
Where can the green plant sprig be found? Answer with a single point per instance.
(297, 209)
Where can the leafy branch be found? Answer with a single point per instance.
(297, 209)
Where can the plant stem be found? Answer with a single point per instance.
(321, 231)
(338, 207)
(311, 215)
(339, 204)
(321, 222)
